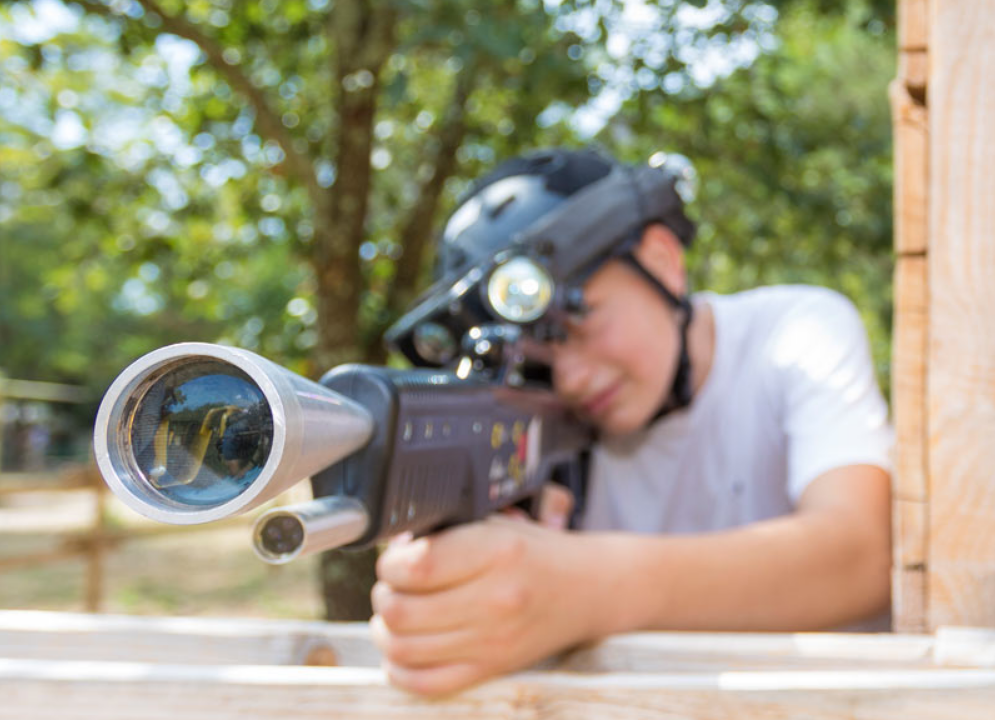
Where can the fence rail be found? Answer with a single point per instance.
(94, 541)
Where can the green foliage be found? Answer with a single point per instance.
(269, 173)
(169, 213)
(794, 157)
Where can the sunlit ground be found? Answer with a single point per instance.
(183, 571)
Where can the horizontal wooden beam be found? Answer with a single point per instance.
(59, 690)
(70, 636)
(42, 391)
(66, 666)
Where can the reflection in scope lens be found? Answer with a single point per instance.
(201, 433)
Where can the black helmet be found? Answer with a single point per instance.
(512, 199)
(514, 255)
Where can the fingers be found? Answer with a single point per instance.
(414, 612)
(434, 681)
(555, 506)
(446, 559)
(423, 650)
(477, 603)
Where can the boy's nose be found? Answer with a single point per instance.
(571, 371)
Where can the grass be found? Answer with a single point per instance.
(200, 571)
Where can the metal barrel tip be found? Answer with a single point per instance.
(286, 533)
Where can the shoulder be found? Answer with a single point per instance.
(817, 326)
(777, 301)
(786, 322)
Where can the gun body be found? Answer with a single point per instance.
(446, 450)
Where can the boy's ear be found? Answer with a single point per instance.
(660, 252)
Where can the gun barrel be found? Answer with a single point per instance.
(283, 534)
(194, 432)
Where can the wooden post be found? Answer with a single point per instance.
(911, 325)
(96, 543)
(961, 260)
(943, 104)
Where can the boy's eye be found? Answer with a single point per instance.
(579, 323)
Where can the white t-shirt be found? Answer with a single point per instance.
(790, 395)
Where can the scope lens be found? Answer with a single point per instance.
(201, 433)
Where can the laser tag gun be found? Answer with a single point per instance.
(194, 432)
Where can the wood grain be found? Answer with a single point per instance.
(33, 635)
(34, 690)
(909, 572)
(961, 407)
(910, 345)
(913, 70)
(61, 666)
(911, 189)
(909, 595)
(913, 32)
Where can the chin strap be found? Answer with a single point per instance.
(681, 392)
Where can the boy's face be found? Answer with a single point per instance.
(617, 364)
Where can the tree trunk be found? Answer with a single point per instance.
(363, 35)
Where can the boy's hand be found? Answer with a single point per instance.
(478, 600)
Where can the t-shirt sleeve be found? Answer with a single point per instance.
(833, 413)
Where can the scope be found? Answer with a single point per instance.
(194, 432)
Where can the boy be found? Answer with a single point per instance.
(740, 481)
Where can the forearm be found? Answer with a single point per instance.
(823, 566)
(785, 574)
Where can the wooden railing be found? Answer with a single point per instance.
(92, 538)
(89, 544)
(73, 667)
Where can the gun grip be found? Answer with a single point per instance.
(531, 505)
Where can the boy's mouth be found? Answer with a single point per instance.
(598, 403)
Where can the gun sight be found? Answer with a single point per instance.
(194, 432)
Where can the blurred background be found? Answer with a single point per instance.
(271, 175)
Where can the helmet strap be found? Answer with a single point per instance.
(681, 392)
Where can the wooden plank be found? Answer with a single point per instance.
(106, 638)
(98, 542)
(962, 323)
(70, 636)
(36, 690)
(909, 595)
(909, 378)
(716, 676)
(911, 186)
(965, 647)
(720, 652)
(913, 32)
(70, 478)
(64, 552)
(913, 71)
(910, 526)
(42, 391)
(910, 550)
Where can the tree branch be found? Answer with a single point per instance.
(268, 120)
(419, 226)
